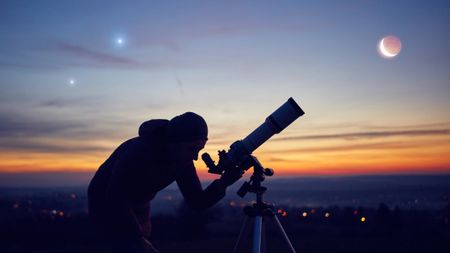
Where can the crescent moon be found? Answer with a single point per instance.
(384, 51)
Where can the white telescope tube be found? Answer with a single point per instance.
(275, 123)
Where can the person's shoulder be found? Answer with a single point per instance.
(153, 129)
(131, 147)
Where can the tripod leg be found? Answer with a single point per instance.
(283, 233)
(257, 235)
(242, 234)
(263, 236)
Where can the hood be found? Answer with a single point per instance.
(153, 129)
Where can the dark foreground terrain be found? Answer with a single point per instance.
(344, 215)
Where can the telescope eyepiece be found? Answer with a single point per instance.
(212, 168)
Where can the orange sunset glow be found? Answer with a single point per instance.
(416, 151)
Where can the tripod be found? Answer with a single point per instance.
(259, 211)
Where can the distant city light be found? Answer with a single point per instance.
(355, 212)
(232, 203)
(327, 215)
(304, 214)
(363, 219)
(73, 196)
(284, 214)
(61, 213)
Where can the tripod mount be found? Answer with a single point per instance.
(259, 211)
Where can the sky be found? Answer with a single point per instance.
(78, 78)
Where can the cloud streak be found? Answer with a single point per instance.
(61, 54)
(22, 133)
(13, 125)
(354, 147)
(42, 146)
(95, 56)
(369, 135)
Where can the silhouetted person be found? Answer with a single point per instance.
(120, 192)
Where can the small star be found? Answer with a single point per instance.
(72, 83)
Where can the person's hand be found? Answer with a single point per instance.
(229, 177)
(146, 246)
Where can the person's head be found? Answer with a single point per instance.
(187, 135)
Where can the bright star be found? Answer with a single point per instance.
(72, 83)
(119, 41)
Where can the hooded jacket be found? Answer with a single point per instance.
(120, 192)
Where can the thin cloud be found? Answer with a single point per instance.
(356, 147)
(179, 83)
(434, 125)
(14, 125)
(21, 131)
(95, 56)
(25, 133)
(60, 55)
(43, 146)
(35, 66)
(368, 135)
(18, 126)
(174, 39)
(80, 102)
(67, 102)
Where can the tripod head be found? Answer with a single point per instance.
(258, 176)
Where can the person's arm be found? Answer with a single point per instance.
(192, 191)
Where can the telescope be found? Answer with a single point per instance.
(238, 157)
